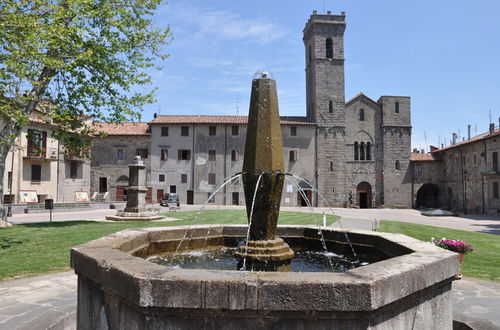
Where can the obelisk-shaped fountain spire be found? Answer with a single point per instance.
(263, 154)
(263, 164)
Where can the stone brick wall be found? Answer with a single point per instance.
(104, 163)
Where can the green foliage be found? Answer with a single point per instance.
(44, 247)
(89, 56)
(482, 263)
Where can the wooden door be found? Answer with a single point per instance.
(190, 197)
(159, 195)
(149, 195)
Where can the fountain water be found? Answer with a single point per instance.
(407, 285)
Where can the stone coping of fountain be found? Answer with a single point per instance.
(109, 262)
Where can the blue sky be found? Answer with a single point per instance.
(444, 54)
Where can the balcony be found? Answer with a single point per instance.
(45, 154)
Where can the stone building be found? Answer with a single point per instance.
(111, 155)
(38, 167)
(357, 150)
(464, 176)
(192, 155)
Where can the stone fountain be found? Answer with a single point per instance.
(407, 286)
(135, 209)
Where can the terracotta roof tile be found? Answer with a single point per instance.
(123, 128)
(471, 140)
(202, 119)
(418, 157)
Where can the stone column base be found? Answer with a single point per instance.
(271, 255)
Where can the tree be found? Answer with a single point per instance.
(90, 57)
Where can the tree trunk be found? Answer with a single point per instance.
(10, 129)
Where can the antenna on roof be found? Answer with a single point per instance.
(489, 112)
(237, 104)
(159, 109)
(425, 138)
(323, 6)
(475, 129)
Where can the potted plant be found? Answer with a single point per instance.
(460, 247)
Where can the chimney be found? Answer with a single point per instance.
(422, 151)
(329, 12)
(454, 138)
(492, 128)
(468, 131)
(315, 12)
(155, 115)
(415, 150)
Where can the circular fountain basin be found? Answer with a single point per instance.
(407, 285)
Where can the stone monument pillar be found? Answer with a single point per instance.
(135, 210)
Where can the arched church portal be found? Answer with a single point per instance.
(364, 195)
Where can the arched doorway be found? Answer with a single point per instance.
(364, 195)
(428, 196)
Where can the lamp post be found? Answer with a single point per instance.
(9, 209)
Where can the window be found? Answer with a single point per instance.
(36, 173)
(362, 114)
(235, 130)
(329, 48)
(331, 166)
(292, 155)
(184, 154)
(293, 131)
(164, 131)
(330, 106)
(212, 130)
(494, 161)
(356, 151)
(418, 168)
(120, 154)
(309, 53)
(73, 170)
(163, 154)
(210, 200)
(211, 178)
(495, 190)
(184, 178)
(173, 189)
(396, 107)
(211, 155)
(184, 130)
(37, 143)
(368, 151)
(234, 155)
(161, 177)
(397, 165)
(143, 152)
(475, 159)
(362, 151)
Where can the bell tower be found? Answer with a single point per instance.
(325, 91)
(324, 43)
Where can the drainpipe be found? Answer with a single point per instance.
(57, 176)
(316, 170)
(224, 202)
(192, 163)
(482, 178)
(464, 195)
